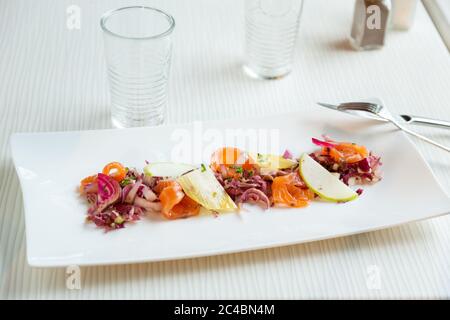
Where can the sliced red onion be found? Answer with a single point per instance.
(256, 196)
(146, 193)
(323, 143)
(108, 191)
(133, 191)
(262, 184)
(125, 191)
(147, 205)
(236, 187)
(245, 185)
(232, 188)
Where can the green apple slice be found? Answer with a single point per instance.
(322, 182)
(167, 169)
(271, 161)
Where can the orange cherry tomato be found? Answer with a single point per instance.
(226, 156)
(232, 160)
(115, 170)
(249, 163)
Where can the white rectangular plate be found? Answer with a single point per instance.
(50, 166)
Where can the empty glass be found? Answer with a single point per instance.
(138, 51)
(271, 28)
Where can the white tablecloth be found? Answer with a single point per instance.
(53, 78)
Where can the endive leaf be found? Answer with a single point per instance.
(202, 186)
(271, 161)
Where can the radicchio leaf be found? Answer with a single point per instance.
(323, 143)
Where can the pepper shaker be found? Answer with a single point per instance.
(370, 24)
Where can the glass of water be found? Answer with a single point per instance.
(138, 51)
(271, 28)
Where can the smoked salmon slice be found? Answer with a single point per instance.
(175, 204)
(346, 152)
(286, 191)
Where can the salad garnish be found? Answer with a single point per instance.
(352, 162)
(119, 195)
(175, 203)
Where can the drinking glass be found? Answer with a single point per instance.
(138, 51)
(271, 28)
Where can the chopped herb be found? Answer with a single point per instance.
(250, 173)
(214, 194)
(125, 182)
(239, 169)
(203, 168)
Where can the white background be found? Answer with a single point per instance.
(53, 78)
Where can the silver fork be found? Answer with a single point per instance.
(379, 111)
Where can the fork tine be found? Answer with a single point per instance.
(349, 106)
(327, 105)
(361, 106)
(355, 104)
(369, 110)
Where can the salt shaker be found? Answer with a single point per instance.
(370, 24)
(403, 12)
